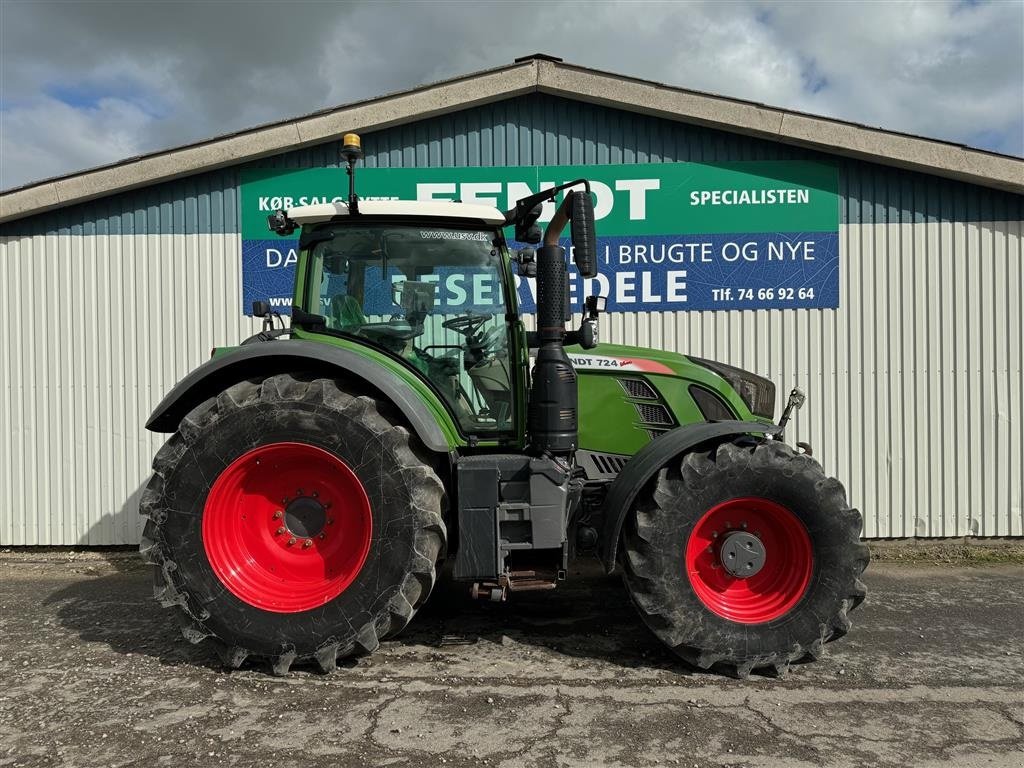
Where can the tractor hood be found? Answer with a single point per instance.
(617, 357)
(630, 395)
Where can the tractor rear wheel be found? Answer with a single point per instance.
(744, 557)
(292, 521)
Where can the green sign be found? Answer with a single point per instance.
(651, 199)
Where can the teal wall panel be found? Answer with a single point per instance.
(536, 129)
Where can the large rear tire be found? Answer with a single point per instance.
(744, 557)
(294, 522)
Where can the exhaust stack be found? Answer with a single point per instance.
(552, 420)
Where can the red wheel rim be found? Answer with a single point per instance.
(776, 587)
(286, 527)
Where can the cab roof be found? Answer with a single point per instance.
(314, 214)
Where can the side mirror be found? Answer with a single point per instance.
(584, 239)
(588, 334)
(262, 309)
(526, 260)
(280, 223)
(527, 230)
(531, 235)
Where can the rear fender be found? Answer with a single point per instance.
(261, 360)
(646, 463)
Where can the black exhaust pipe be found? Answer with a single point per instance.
(552, 421)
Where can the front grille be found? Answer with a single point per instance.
(639, 389)
(653, 413)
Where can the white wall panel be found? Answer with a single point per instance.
(100, 328)
(914, 384)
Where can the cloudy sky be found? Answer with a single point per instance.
(86, 83)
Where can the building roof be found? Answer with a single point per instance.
(530, 74)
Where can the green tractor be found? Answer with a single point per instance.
(317, 475)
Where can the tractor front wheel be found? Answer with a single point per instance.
(292, 521)
(745, 556)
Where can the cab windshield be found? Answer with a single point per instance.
(435, 298)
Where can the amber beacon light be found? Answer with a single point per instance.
(351, 150)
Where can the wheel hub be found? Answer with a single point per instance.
(758, 532)
(742, 554)
(287, 527)
(305, 517)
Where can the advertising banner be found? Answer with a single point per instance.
(671, 236)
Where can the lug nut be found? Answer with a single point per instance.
(291, 541)
(330, 521)
(279, 531)
(307, 544)
(298, 492)
(714, 535)
(278, 515)
(316, 495)
(711, 549)
(743, 526)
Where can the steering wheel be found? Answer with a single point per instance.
(467, 324)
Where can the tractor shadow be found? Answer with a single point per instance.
(110, 601)
(112, 604)
(588, 617)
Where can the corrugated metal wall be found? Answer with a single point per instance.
(914, 383)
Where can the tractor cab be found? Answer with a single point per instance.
(429, 284)
(435, 296)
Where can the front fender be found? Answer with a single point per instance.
(260, 360)
(646, 463)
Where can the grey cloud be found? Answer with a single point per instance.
(171, 73)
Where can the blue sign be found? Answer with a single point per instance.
(712, 272)
(268, 273)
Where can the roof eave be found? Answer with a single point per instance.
(827, 135)
(377, 114)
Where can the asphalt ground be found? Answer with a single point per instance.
(94, 673)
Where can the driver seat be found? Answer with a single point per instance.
(346, 312)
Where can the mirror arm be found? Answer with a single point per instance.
(527, 204)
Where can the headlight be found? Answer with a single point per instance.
(757, 392)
